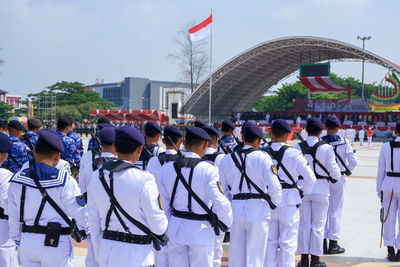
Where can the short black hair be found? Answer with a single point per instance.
(151, 132)
(192, 141)
(63, 123)
(226, 128)
(174, 138)
(278, 132)
(44, 149)
(313, 131)
(126, 148)
(249, 138)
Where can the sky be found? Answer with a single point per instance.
(45, 41)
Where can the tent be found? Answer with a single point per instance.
(131, 115)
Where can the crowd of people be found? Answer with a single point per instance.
(138, 204)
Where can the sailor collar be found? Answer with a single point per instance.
(47, 175)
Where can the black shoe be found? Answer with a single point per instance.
(227, 237)
(325, 246)
(391, 256)
(304, 261)
(315, 262)
(398, 255)
(334, 248)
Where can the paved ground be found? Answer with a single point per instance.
(360, 222)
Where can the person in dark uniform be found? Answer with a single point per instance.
(20, 151)
(70, 152)
(227, 135)
(72, 133)
(152, 134)
(31, 136)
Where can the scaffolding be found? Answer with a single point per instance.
(45, 106)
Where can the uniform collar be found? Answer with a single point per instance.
(277, 145)
(210, 150)
(191, 155)
(171, 152)
(108, 155)
(30, 132)
(397, 139)
(61, 133)
(312, 139)
(247, 147)
(14, 138)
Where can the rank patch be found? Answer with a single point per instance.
(220, 187)
(159, 202)
(274, 169)
(81, 200)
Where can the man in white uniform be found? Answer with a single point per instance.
(388, 190)
(361, 135)
(125, 211)
(314, 209)
(256, 191)
(152, 133)
(198, 206)
(347, 161)
(7, 245)
(41, 201)
(284, 224)
(172, 135)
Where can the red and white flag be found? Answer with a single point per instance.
(201, 31)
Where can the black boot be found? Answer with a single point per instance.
(334, 248)
(315, 262)
(391, 256)
(398, 255)
(304, 261)
(325, 246)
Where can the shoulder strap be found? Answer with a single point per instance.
(305, 148)
(46, 196)
(348, 172)
(118, 165)
(215, 223)
(317, 162)
(249, 181)
(211, 157)
(27, 137)
(164, 157)
(14, 160)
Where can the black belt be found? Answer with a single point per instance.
(393, 174)
(127, 238)
(43, 229)
(246, 196)
(343, 173)
(287, 186)
(190, 215)
(329, 179)
(3, 216)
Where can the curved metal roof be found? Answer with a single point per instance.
(238, 83)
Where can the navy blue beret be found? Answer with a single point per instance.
(105, 125)
(172, 130)
(129, 135)
(5, 143)
(246, 123)
(227, 126)
(152, 125)
(199, 123)
(3, 123)
(211, 130)
(254, 130)
(314, 124)
(107, 135)
(280, 124)
(398, 126)
(51, 138)
(34, 123)
(103, 120)
(16, 125)
(197, 133)
(70, 118)
(332, 121)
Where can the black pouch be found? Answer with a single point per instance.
(53, 233)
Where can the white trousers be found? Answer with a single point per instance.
(90, 260)
(334, 216)
(161, 257)
(369, 140)
(180, 255)
(283, 231)
(248, 243)
(389, 227)
(33, 253)
(361, 141)
(313, 213)
(218, 250)
(7, 256)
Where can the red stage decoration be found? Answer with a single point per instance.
(324, 84)
(131, 115)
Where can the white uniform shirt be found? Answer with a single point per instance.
(204, 184)
(85, 172)
(64, 196)
(5, 176)
(218, 159)
(137, 193)
(259, 170)
(296, 165)
(361, 134)
(326, 156)
(156, 151)
(86, 159)
(383, 182)
(154, 166)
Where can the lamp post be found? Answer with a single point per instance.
(363, 39)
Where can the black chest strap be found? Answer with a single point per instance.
(393, 145)
(211, 157)
(117, 166)
(278, 156)
(164, 157)
(347, 170)
(244, 176)
(27, 138)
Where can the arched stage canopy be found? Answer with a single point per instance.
(242, 80)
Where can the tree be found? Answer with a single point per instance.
(6, 111)
(74, 99)
(192, 57)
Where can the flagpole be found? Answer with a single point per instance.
(209, 101)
